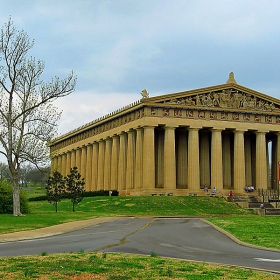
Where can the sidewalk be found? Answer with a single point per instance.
(53, 230)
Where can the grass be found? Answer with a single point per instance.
(242, 223)
(43, 214)
(257, 230)
(117, 266)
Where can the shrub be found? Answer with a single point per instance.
(100, 193)
(6, 199)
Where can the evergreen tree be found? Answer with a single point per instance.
(55, 188)
(74, 187)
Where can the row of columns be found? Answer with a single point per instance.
(126, 161)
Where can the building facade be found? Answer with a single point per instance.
(225, 136)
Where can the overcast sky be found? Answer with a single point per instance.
(119, 47)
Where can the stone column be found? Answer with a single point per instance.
(130, 160)
(64, 164)
(169, 159)
(107, 164)
(261, 161)
(83, 162)
(149, 159)
(68, 162)
(114, 162)
(239, 161)
(216, 160)
(138, 180)
(59, 163)
(73, 159)
(94, 174)
(122, 163)
(88, 181)
(54, 163)
(267, 165)
(100, 168)
(78, 159)
(193, 160)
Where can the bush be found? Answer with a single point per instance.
(6, 199)
(38, 198)
(86, 194)
(100, 193)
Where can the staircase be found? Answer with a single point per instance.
(253, 202)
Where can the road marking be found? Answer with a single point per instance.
(147, 224)
(266, 260)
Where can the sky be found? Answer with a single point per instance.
(117, 48)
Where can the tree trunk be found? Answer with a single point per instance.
(16, 197)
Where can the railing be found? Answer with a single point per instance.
(268, 193)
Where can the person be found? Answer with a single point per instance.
(262, 205)
(205, 189)
(214, 191)
(230, 193)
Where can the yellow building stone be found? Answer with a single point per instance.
(225, 136)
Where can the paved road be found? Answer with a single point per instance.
(183, 238)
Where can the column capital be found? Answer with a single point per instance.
(217, 129)
(261, 132)
(194, 128)
(115, 136)
(170, 127)
(148, 126)
(237, 130)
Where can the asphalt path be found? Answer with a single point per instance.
(184, 238)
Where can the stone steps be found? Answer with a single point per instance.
(272, 212)
(253, 202)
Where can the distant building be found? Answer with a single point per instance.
(219, 136)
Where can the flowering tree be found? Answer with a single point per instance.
(27, 115)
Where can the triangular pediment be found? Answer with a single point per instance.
(226, 96)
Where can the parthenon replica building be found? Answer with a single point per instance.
(225, 136)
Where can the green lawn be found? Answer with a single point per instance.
(244, 224)
(118, 267)
(43, 213)
(257, 230)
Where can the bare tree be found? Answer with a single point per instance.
(28, 117)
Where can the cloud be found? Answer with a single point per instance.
(118, 48)
(80, 108)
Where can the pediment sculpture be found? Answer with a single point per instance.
(225, 99)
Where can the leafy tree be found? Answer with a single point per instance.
(74, 187)
(6, 198)
(27, 115)
(38, 176)
(55, 188)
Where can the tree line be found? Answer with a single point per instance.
(28, 175)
